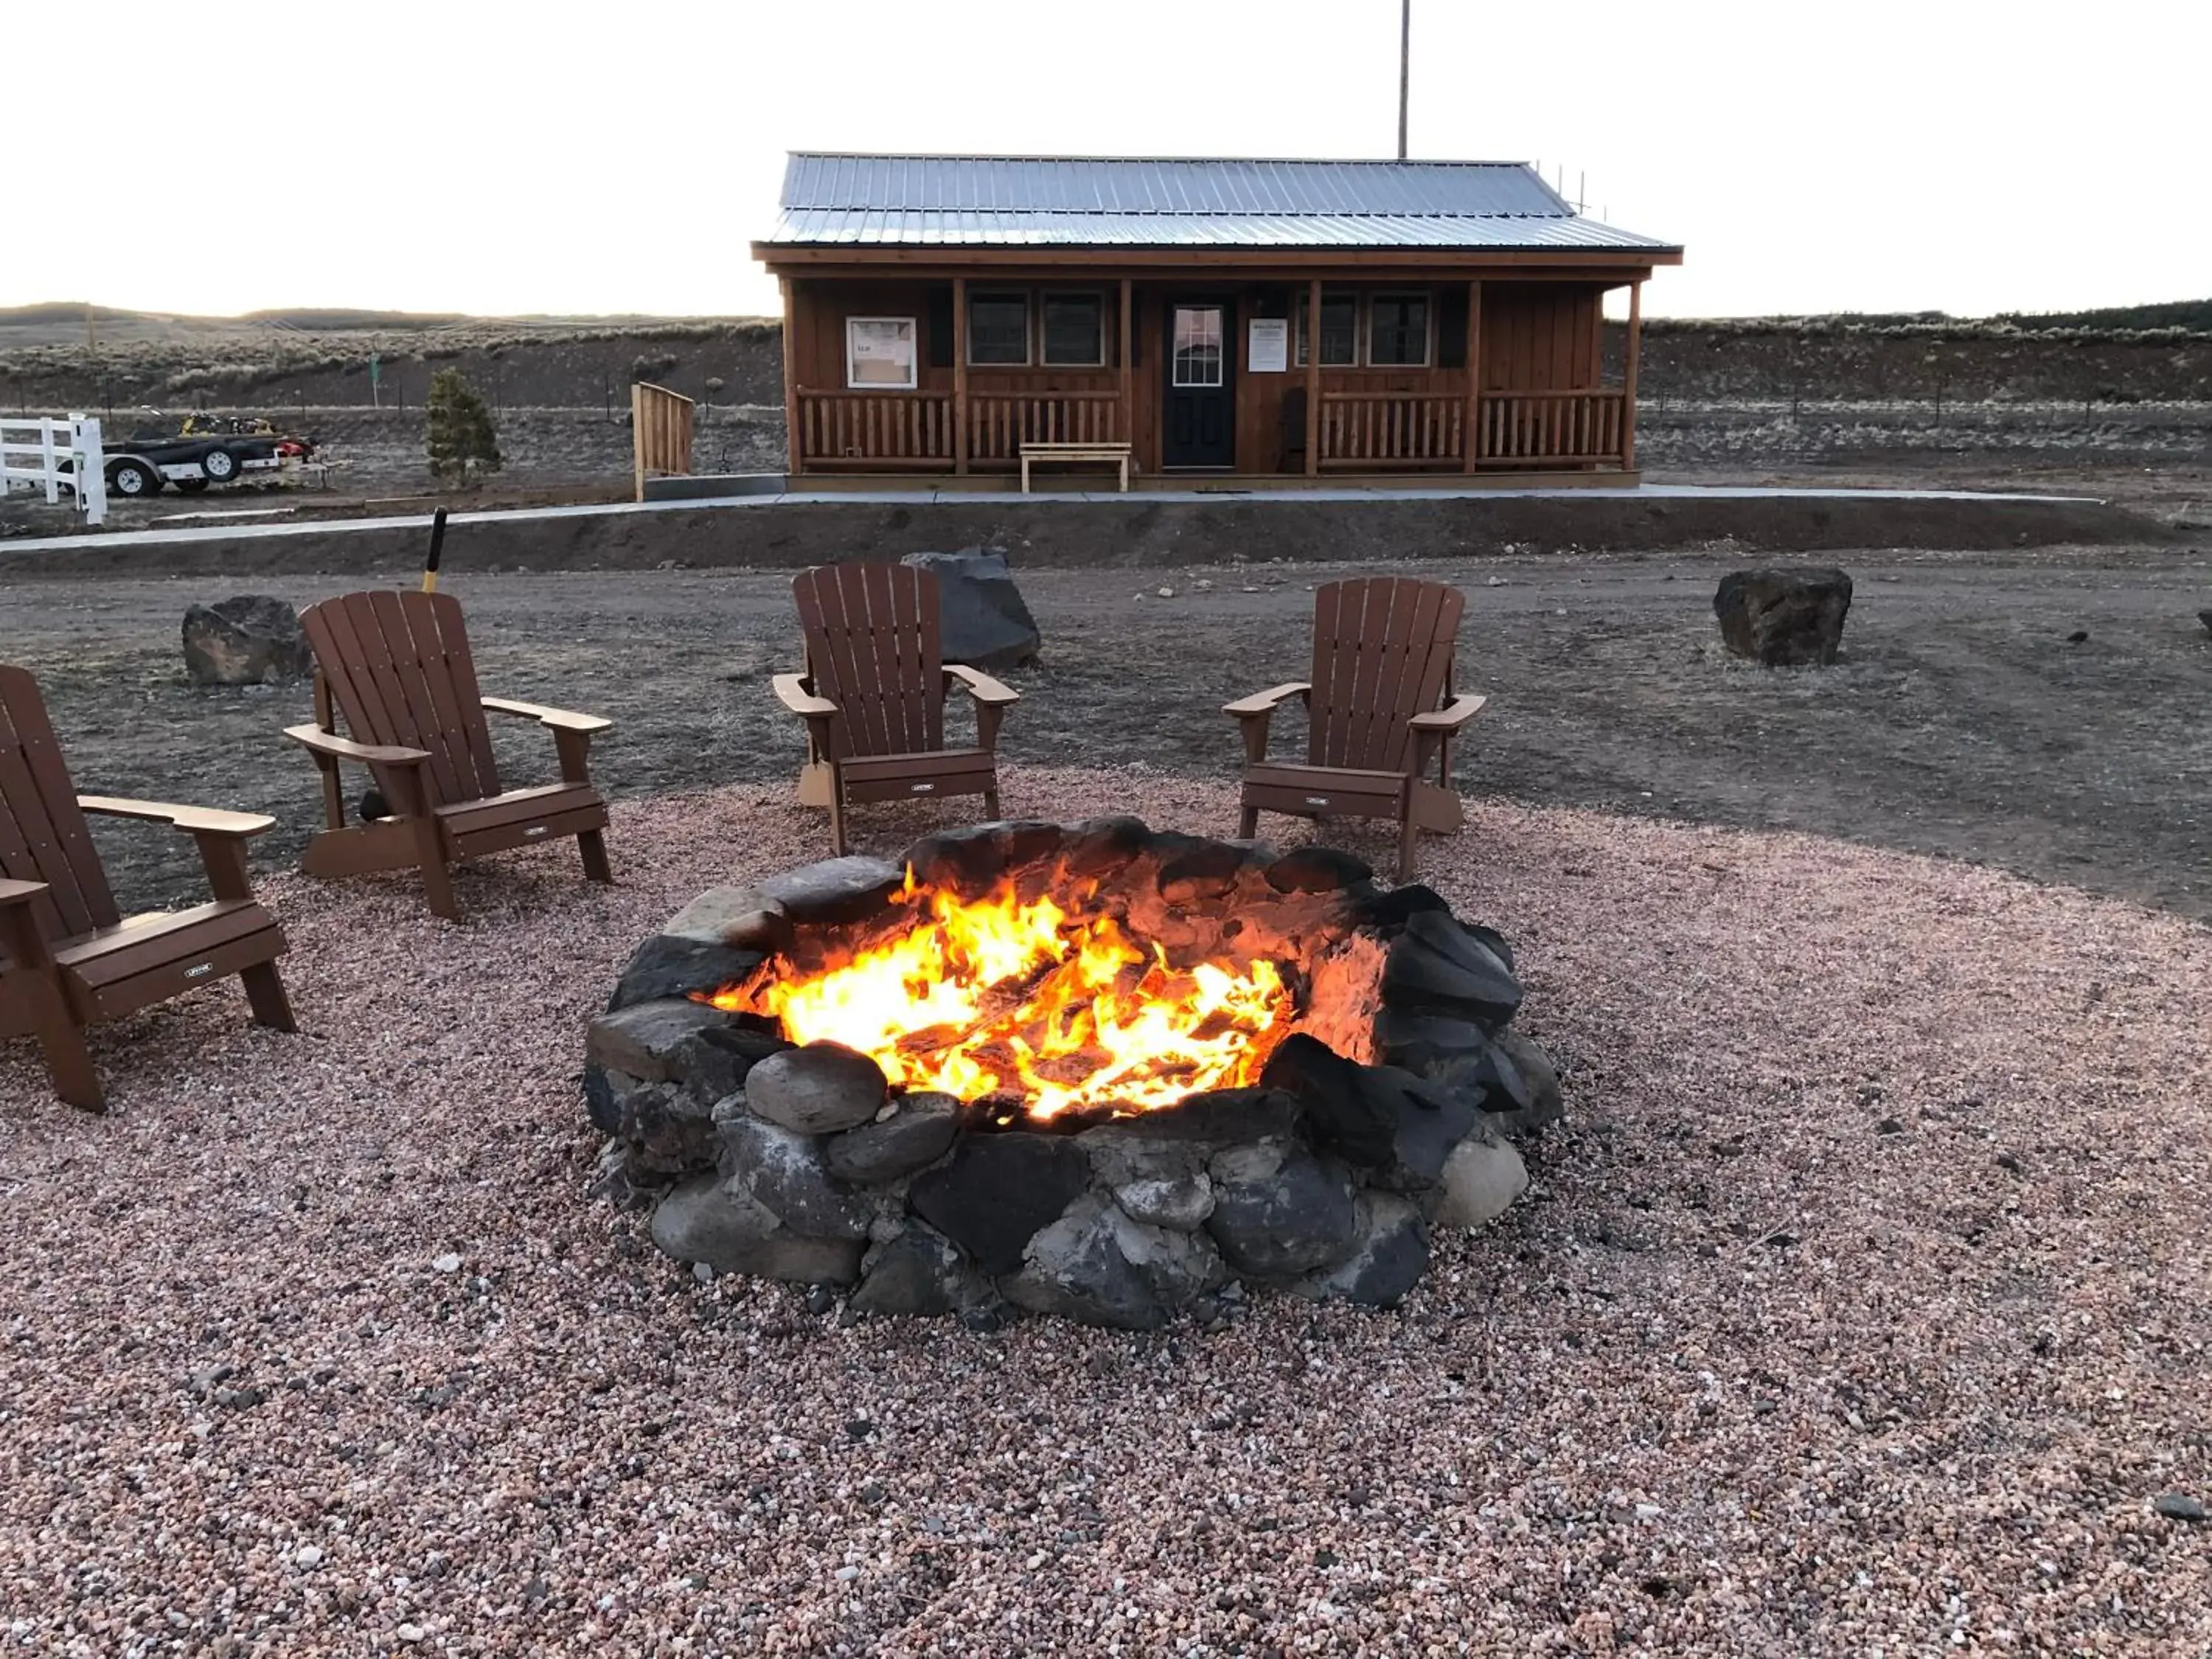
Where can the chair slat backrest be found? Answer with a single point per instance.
(873, 649)
(43, 836)
(1383, 654)
(398, 669)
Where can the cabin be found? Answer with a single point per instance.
(1252, 323)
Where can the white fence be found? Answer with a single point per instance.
(63, 455)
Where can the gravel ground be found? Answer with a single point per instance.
(1858, 1308)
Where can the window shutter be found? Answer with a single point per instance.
(939, 326)
(1451, 328)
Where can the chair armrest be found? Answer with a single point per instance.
(559, 718)
(13, 893)
(792, 690)
(369, 754)
(1449, 718)
(981, 686)
(1263, 704)
(192, 820)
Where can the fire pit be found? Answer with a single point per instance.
(1089, 1069)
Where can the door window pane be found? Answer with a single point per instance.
(998, 328)
(1398, 330)
(1197, 346)
(1339, 330)
(1074, 330)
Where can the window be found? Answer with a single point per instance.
(998, 328)
(1339, 330)
(879, 354)
(1197, 346)
(1074, 330)
(1398, 330)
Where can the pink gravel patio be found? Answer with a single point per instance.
(1859, 1307)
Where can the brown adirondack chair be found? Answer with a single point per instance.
(396, 667)
(872, 696)
(1379, 708)
(68, 957)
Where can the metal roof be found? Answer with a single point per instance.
(948, 201)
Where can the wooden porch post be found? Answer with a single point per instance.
(1313, 379)
(1469, 440)
(795, 460)
(1628, 377)
(959, 374)
(1128, 435)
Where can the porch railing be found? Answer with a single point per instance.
(1000, 422)
(909, 428)
(1556, 427)
(1375, 431)
(1364, 429)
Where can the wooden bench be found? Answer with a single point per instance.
(1117, 454)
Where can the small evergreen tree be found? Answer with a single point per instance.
(461, 433)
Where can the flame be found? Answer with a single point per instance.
(1002, 996)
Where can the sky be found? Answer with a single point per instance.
(496, 157)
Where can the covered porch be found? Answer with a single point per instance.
(1208, 372)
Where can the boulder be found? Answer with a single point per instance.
(783, 1171)
(1098, 1267)
(999, 1190)
(1277, 1215)
(1181, 1205)
(816, 1089)
(984, 622)
(970, 860)
(645, 1038)
(672, 965)
(706, 1220)
(1389, 1252)
(1317, 870)
(851, 887)
(1438, 966)
(919, 1132)
(2205, 616)
(918, 1271)
(1785, 618)
(1532, 1088)
(253, 639)
(1482, 1177)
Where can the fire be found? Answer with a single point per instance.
(1007, 997)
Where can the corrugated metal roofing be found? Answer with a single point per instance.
(1003, 201)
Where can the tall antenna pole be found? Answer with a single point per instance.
(1405, 67)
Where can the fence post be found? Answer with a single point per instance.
(90, 455)
(47, 461)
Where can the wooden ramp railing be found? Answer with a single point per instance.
(1555, 428)
(910, 428)
(661, 433)
(1000, 423)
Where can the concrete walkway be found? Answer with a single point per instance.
(253, 524)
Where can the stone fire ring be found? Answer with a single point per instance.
(1327, 1180)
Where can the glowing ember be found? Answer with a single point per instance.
(1007, 997)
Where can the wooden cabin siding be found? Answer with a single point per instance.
(1540, 337)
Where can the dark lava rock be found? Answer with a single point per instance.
(1511, 1080)
(1390, 908)
(1099, 846)
(970, 860)
(715, 1061)
(1434, 1045)
(1317, 870)
(644, 1039)
(2177, 1506)
(670, 965)
(1198, 873)
(2205, 616)
(1390, 1253)
(849, 889)
(1277, 1215)
(1212, 1122)
(1783, 618)
(784, 1172)
(918, 1271)
(816, 1089)
(1374, 1117)
(997, 1191)
(1438, 964)
(253, 639)
(602, 1097)
(706, 1220)
(669, 1130)
(1096, 1266)
(983, 621)
(913, 1137)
